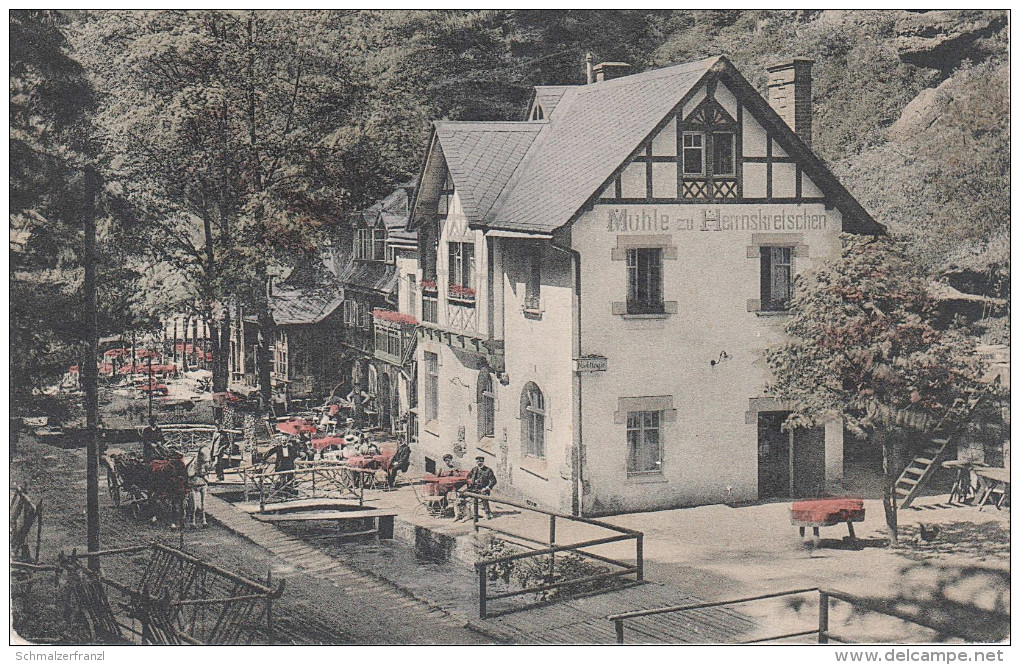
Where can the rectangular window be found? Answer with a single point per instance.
(644, 281)
(462, 269)
(533, 285)
(644, 442)
(694, 153)
(723, 155)
(776, 278)
(378, 244)
(431, 386)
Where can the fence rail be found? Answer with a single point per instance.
(313, 482)
(551, 549)
(821, 632)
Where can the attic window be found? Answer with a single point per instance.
(445, 195)
(537, 113)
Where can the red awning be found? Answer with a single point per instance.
(296, 426)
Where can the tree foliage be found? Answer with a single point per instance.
(864, 346)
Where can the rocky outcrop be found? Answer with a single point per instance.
(941, 39)
(922, 112)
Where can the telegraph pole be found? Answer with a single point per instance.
(89, 370)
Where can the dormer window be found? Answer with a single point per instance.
(537, 113)
(370, 243)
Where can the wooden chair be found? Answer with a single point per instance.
(434, 504)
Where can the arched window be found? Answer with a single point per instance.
(486, 400)
(533, 421)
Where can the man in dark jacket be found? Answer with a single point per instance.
(481, 480)
(153, 442)
(401, 462)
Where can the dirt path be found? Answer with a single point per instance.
(312, 610)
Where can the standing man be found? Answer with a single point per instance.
(481, 480)
(222, 449)
(401, 462)
(153, 442)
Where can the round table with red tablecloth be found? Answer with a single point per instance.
(380, 461)
(296, 427)
(817, 513)
(443, 485)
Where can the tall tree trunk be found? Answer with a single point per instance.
(194, 343)
(89, 370)
(264, 359)
(889, 484)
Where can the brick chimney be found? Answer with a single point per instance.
(790, 94)
(605, 71)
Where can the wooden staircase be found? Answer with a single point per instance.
(917, 472)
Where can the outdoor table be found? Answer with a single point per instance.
(817, 513)
(323, 442)
(961, 485)
(998, 481)
(443, 485)
(380, 461)
(296, 427)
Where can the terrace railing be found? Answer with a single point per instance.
(821, 632)
(332, 481)
(550, 549)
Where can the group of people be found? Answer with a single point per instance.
(480, 480)
(287, 450)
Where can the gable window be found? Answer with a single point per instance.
(486, 399)
(723, 154)
(776, 278)
(431, 386)
(533, 285)
(644, 442)
(379, 243)
(445, 196)
(644, 281)
(694, 153)
(461, 270)
(533, 421)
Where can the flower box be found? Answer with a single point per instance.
(394, 317)
(465, 293)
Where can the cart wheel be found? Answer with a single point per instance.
(114, 490)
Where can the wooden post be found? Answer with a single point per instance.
(619, 631)
(194, 343)
(38, 529)
(823, 617)
(552, 529)
(639, 546)
(149, 363)
(482, 592)
(175, 341)
(475, 516)
(269, 607)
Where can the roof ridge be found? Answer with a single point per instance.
(651, 74)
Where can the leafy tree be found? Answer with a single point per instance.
(55, 202)
(234, 136)
(863, 347)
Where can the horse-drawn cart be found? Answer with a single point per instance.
(145, 487)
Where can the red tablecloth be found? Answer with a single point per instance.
(327, 441)
(826, 512)
(295, 427)
(441, 485)
(381, 461)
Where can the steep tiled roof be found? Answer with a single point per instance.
(370, 276)
(595, 129)
(482, 156)
(304, 306)
(392, 210)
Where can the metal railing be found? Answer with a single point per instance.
(551, 549)
(314, 482)
(821, 631)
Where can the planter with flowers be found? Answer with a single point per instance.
(428, 287)
(464, 295)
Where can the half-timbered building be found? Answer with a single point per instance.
(598, 282)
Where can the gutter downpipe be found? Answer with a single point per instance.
(577, 456)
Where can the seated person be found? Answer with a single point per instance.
(449, 467)
(349, 448)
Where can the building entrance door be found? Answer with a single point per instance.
(773, 455)
(790, 464)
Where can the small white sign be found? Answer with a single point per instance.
(591, 364)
